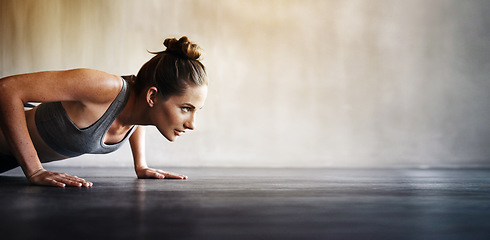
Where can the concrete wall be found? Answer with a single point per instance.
(293, 83)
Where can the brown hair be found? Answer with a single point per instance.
(172, 70)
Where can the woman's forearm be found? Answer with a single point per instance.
(14, 126)
(137, 141)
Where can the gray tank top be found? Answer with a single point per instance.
(63, 136)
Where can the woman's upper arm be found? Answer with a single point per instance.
(84, 85)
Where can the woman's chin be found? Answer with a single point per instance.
(172, 139)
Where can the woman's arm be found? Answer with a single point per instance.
(14, 126)
(81, 85)
(137, 141)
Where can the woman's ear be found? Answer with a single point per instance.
(151, 96)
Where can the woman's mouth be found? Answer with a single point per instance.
(178, 133)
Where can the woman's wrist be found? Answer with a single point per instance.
(34, 173)
(140, 168)
(140, 164)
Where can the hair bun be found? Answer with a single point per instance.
(182, 48)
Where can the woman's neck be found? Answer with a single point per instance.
(134, 113)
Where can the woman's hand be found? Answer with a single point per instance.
(46, 178)
(157, 173)
(137, 141)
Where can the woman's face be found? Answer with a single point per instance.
(178, 113)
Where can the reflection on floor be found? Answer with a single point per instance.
(223, 203)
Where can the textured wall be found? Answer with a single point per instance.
(293, 83)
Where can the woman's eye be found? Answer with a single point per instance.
(186, 109)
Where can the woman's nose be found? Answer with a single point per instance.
(190, 124)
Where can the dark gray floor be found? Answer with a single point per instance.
(253, 204)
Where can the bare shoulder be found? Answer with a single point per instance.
(94, 86)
